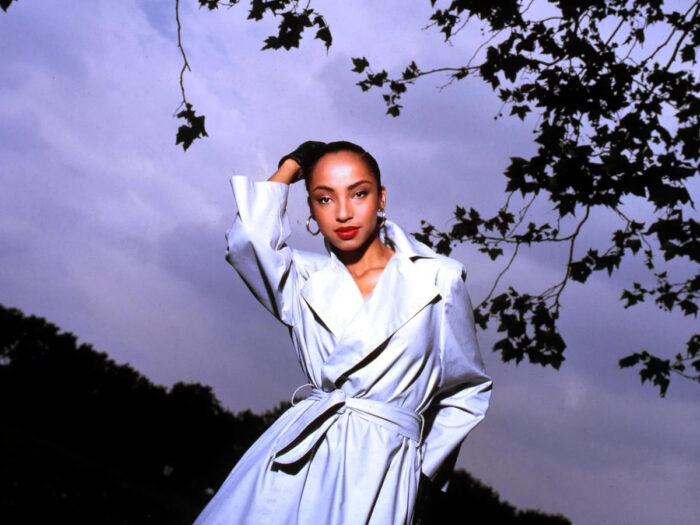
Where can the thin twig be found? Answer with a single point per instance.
(481, 46)
(507, 203)
(612, 35)
(443, 69)
(528, 7)
(501, 274)
(521, 215)
(672, 59)
(696, 5)
(568, 263)
(687, 376)
(459, 29)
(641, 235)
(185, 65)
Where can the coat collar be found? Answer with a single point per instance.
(404, 243)
(362, 326)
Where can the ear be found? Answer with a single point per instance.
(382, 198)
(311, 211)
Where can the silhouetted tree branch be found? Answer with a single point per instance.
(194, 127)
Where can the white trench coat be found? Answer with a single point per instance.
(398, 380)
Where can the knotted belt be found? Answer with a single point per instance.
(324, 408)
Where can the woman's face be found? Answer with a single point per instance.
(344, 200)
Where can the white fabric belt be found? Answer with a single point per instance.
(324, 408)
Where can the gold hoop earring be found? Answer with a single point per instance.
(308, 226)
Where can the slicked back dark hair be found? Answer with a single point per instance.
(344, 145)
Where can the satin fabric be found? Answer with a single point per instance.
(398, 380)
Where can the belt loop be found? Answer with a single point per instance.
(422, 426)
(421, 443)
(297, 390)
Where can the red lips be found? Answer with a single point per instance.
(347, 232)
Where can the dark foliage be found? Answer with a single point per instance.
(84, 440)
(86, 435)
(294, 20)
(467, 500)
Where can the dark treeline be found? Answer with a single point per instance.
(84, 440)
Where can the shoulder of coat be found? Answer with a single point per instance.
(445, 270)
(308, 262)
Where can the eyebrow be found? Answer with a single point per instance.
(327, 188)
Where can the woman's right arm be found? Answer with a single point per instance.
(256, 243)
(287, 172)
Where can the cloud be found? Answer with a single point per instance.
(572, 445)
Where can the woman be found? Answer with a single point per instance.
(384, 332)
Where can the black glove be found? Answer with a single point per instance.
(305, 155)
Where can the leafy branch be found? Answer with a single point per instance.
(658, 371)
(194, 127)
(295, 19)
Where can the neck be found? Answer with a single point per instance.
(371, 254)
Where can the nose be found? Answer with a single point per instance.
(343, 211)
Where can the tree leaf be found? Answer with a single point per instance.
(360, 64)
(192, 130)
(4, 4)
(629, 360)
(324, 34)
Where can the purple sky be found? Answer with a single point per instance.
(115, 234)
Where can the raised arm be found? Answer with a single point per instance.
(288, 172)
(291, 167)
(257, 241)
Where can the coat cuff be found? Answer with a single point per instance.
(262, 204)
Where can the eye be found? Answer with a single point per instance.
(362, 193)
(323, 200)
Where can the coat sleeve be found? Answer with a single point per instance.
(464, 391)
(256, 244)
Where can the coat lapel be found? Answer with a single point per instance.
(333, 296)
(402, 291)
(360, 326)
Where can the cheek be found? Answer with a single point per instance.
(370, 207)
(323, 214)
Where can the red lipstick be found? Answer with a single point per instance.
(347, 232)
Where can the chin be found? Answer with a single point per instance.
(345, 246)
(350, 245)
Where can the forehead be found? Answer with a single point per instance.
(340, 169)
